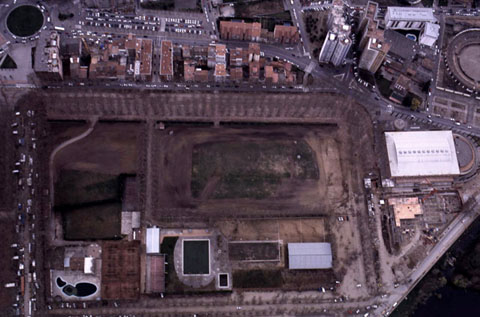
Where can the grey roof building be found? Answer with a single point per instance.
(311, 255)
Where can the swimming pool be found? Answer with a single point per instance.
(82, 289)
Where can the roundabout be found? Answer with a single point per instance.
(463, 58)
(25, 20)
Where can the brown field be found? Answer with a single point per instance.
(88, 188)
(284, 230)
(109, 149)
(292, 209)
(254, 251)
(293, 191)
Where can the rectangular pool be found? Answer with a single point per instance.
(196, 257)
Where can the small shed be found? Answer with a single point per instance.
(153, 240)
(311, 255)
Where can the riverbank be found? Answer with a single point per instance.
(452, 287)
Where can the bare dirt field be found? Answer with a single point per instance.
(253, 170)
(254, 251)
(110, 149)
(88, 177)
(284, 230)
(295, 209)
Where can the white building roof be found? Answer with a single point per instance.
(421, 153)
(153, 240)
(310, 255)
(88, 265)
(431, 30)
(410, 14)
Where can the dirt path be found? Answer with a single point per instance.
(55, 228)
(209, 187)
(386, 260)
(411, 244)
(148, 172)
(93, 121)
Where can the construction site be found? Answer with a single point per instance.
(250, 176)
(232, 198)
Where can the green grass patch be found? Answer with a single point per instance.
(79, 187)
(257, 279)
(93, 222)
(249, 169)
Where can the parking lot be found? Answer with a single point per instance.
(25, 133)
(193, 24)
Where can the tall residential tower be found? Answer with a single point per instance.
(338, 42)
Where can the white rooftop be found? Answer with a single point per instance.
(311, 255)
(431, 30)
(153, 240)
(88, 265)
(421, 153)
(410, 14)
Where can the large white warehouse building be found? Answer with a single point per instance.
(408, 18)
(421, 154)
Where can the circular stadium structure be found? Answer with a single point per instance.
(466, 154)
(463, 58)
(25, 20)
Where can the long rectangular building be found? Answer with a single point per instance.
(311, 255)
(166, 60)
(240, 30)
(408, 18)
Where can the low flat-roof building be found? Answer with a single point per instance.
(429, 34)
(254, 52)
(143, 59)
(200, 75)
(373, 54)
(311, 255)
(236, 74)
(155, 274)
(47, 61)
(153, 240)
(421, 154)
(130, 221)
(286, 34)
(188, 70)
(240, 30)
(238, 57)
(405, 208)
(220, 73)
(166, 60)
